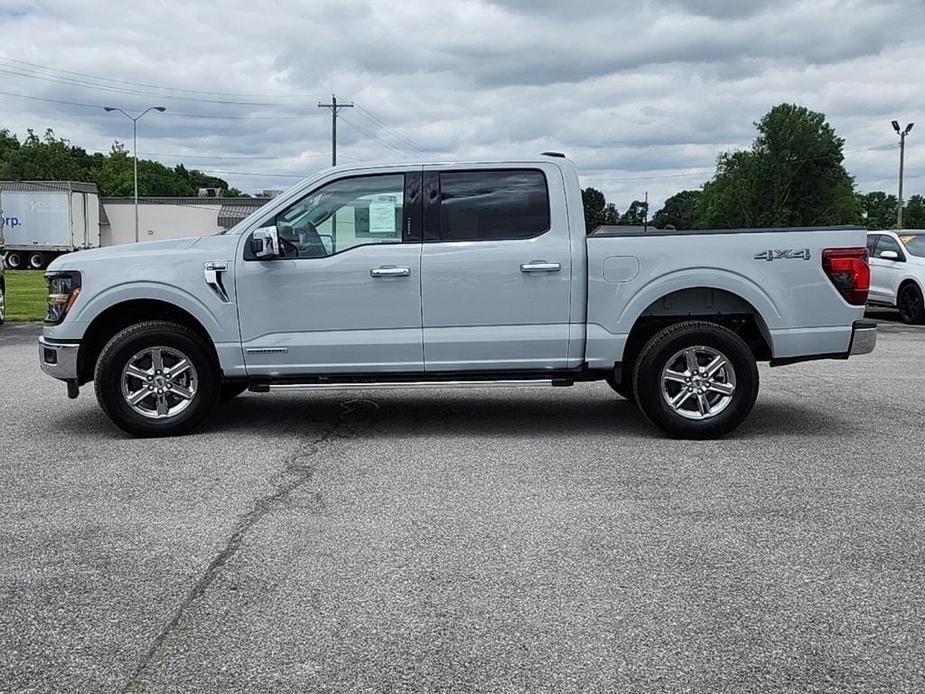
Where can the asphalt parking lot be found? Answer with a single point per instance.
(473, 540)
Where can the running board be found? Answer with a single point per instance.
(411, 385)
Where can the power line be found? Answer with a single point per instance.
(173, 114)
(134, 92)
(46, 68)
(389, 129)
(372, 136)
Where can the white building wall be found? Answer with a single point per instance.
(158, 221)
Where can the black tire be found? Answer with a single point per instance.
(229, 391)
(37, 261)
(129, 342)
(14, 260)
(625, 388)
(910, 304)
(662, 350)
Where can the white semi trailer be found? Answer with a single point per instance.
(44, 219)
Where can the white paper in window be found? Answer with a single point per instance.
(382, 215)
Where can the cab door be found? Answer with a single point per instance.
(496, 269)
(345, 295)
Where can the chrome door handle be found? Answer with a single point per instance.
(540, 266)
(390, 271)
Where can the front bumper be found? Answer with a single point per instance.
(863, 337)
(59, 359)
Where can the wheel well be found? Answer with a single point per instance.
(118, 317)
(905, 283)
(701, 303)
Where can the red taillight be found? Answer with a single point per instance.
(849, 272)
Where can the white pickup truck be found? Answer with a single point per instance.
(448, 274)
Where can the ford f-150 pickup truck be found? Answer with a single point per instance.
(446, 274)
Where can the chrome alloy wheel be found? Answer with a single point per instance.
(159, 382)
(698, 382)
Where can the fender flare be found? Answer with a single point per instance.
(702, 277)
(156, 291)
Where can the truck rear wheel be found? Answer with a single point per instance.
(696, 380)
(156, 379)
(14, 260)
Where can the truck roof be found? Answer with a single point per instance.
(49, 186)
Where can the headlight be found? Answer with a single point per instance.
(63, 289)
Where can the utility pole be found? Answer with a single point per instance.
(902, 157)
(335, 107)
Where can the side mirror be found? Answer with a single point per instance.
(265, 243)
(889, 255)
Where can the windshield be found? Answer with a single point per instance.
(914, 243)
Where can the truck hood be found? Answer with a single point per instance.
(128, 252)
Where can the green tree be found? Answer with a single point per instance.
(48, 158)
(594, 203)
(9, 143)
(56, 159)
(611, 214)
(635, 214)
(914, 213)
(678, 211)
(877, 209)
(793, 175)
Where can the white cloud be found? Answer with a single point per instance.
(643, 96)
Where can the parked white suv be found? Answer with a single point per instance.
(897, 272)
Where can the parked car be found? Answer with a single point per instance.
(897, 272)
(470, 272)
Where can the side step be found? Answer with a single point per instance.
(264, 387)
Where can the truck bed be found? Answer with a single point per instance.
(775, 273)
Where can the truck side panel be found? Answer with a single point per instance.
(796, 302)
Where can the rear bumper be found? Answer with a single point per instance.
(58, 359)
(863, 341)
(863, 337)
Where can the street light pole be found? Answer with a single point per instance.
(135, 119)
(902, 159)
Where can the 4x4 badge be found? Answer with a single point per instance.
(786, 254)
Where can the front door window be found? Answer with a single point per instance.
(342, 215)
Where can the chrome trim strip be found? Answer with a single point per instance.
(266, 350)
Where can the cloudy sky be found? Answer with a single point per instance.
(642, 95)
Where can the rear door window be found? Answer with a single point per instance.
(493, 205)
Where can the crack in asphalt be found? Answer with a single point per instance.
(297, 473)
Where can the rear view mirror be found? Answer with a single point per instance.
(265, 243)
(889, 255)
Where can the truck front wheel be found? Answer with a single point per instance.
(696, 380)
(156, 378)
